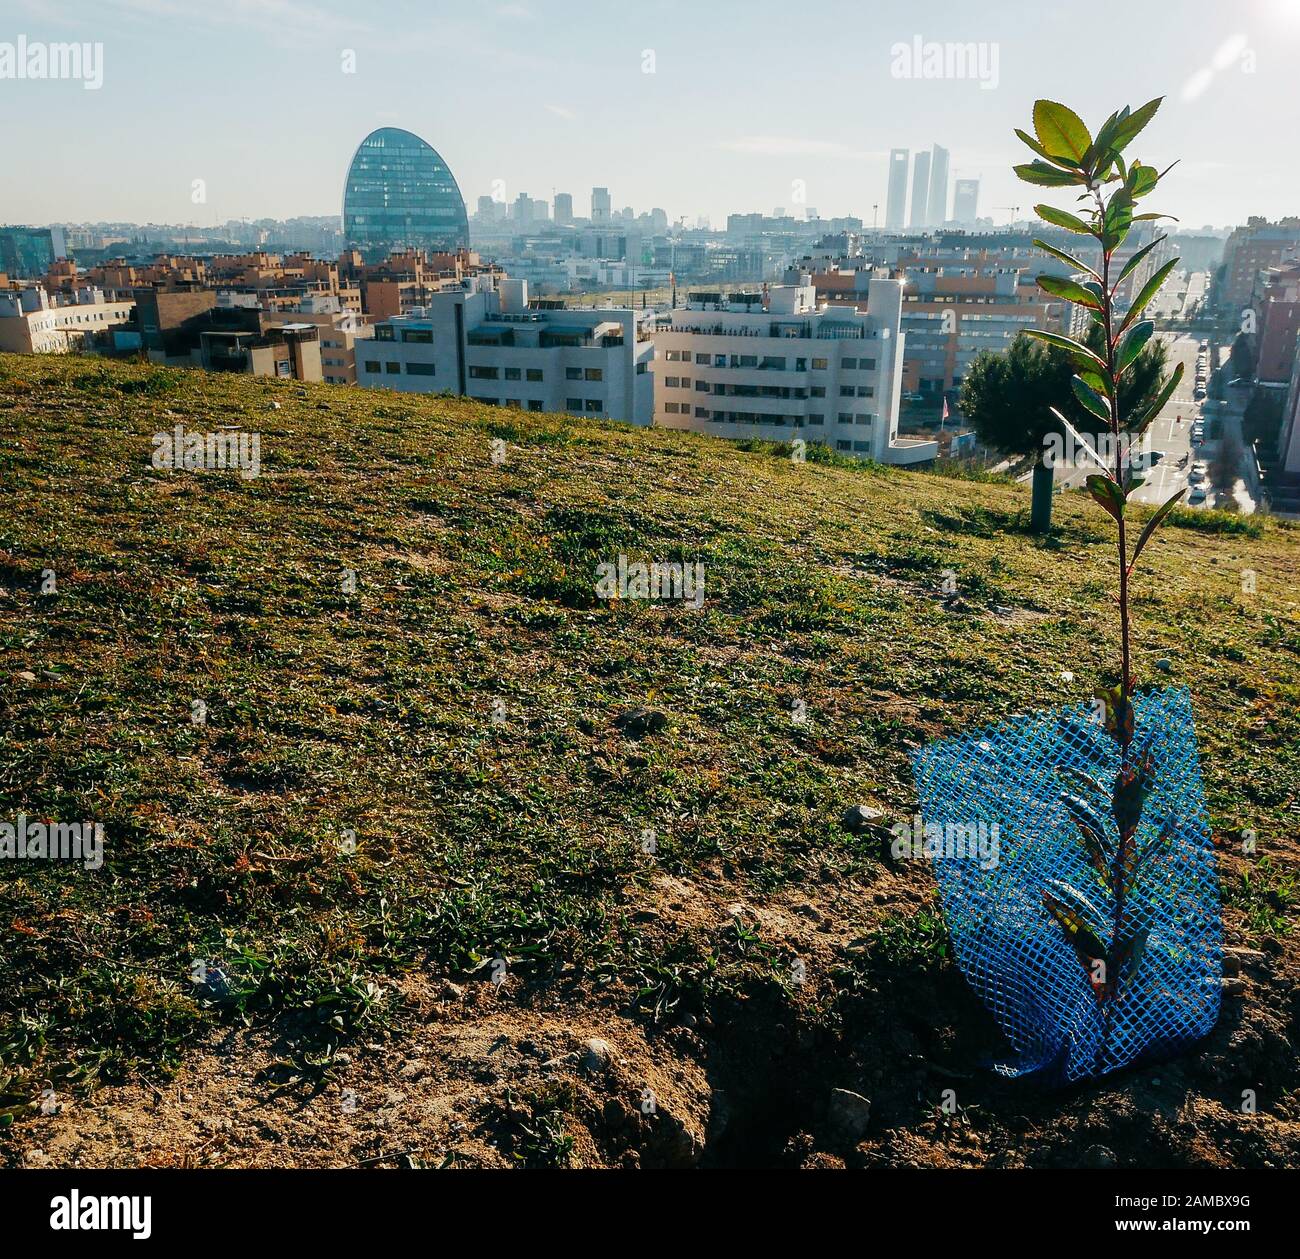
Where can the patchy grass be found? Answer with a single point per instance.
(456, 713)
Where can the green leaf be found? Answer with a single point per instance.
(1141, 180)
(1153, 524)
(1132, 264)
(1166, 392)
(1079, 438)
(1042, 152)
(1069, 259)
(1138, 218)
(1090, 399)
(1077, 932)
(1119, 218)
(1082, 356)
(1132, 344)
(1063, 218)
(1046, 176)
(1061, 131)
(1070, 290)
(1119, 716)
(1067, 894)
(1107, 492)
(1128, 128)
(1149, 290)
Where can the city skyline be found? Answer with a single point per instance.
(610, 105)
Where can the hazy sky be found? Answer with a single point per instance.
(745, 97)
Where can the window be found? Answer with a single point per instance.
(816, 419)
(867, 364)
(861, 446)
(594, 404)
(845, 417)
(701, 386)
(866, 391)
(843, 445)
(534, 404)
(671, 382)
(512, 373)
(850, 364)
(641, 368)
(477, 372)
(819, 365)
(392, 368)
(801, 364)
(862, 419)
(372, 365)
(816, 391)
(573, 373)
(533, 373)
(513, 404)
(573, 404)
(846, 391)
(420, 369)
(594, 373)
(384, 332)
(706, 359)
(423, 336)
(670, 408)
(701, 413)
(686, 382)
(487, 402)
(686, 356)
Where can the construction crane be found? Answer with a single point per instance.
(1015, 209)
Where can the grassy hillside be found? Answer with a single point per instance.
(464, 713)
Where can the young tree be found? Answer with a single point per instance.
(1009, 400)
(1069, 156)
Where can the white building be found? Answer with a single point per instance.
(489, 344)
(774, 365)
(32, 323)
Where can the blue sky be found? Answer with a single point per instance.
(744, 100)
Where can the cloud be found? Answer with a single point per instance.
(561, 111)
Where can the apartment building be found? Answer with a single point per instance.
(288, 350)
(775, 365)
(339, 331)
(1277, 320)
(957, 303)
(31, 322)
(1252, 249)
(488, 342)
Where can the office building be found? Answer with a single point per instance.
(564, 208)
(937, 201)
(774, 365)
(600, 204)
(896, 200)
(965, 201)
(920, 192)
(488, 342)
(27, 253)
(399, 192)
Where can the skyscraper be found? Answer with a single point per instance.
(896, 201)
(920, 191)
(938, 199)
(399, 192)
(965, 200)
(600, 205)
(564, 207)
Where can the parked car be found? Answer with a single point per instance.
(1196, 497)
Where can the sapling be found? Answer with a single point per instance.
(1110, 187)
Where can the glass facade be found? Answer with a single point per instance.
(26, 252)
(399, 192)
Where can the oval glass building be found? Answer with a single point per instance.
(399, 192)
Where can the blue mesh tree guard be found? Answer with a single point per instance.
(999, 809)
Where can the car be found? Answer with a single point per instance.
(1205, 345)
(1196, 496)
(1198, 393)
(1195, 478)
